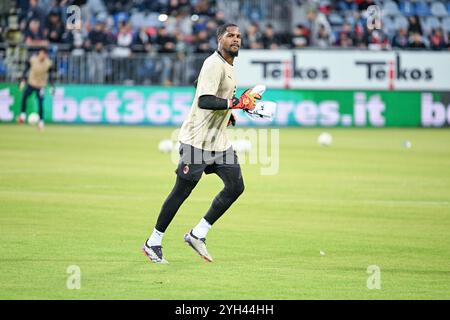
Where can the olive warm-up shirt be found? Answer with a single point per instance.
(206, 129)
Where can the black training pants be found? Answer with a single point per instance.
(189, 171)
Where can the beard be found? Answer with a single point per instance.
(233, 53)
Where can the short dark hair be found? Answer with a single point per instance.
(36, 50)
(223, 28)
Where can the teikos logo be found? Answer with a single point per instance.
(277, 69)
(377, 70)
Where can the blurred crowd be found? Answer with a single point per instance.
(104, 33)
(188, 26)
(402, 24)
(169, 39)
(165, 26)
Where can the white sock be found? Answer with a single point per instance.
(155, 239)
(201, 230)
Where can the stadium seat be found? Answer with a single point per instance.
(401, 22)
(140, 19)
(335, 19)
(407, 8)
(350, 18)
(390, 8)
(438, 9)
(119, 17)
(422, 9)
(446, 24)
(345, 6)
(253, 12)
(430, 23)
(137, 19)
(434, 22)
(426, 41)
(389, 26)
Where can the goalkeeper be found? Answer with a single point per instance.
(204, 145)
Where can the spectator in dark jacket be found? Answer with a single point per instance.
(75, 38)
(34, 36)
(252, 37)
(437, 41)
(166, 45)
(269, 39)
(416, 41)
(142, 40)
(346, 36)
(361, 38)
(35, 12)
(378, 40)
(400, 40)
(323, 38)
(414, 25)
(300, 37)
(54, 27)
(98, 38)
(205, 8)
(166, 42)
(202, 44)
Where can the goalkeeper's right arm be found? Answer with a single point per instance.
(246, 101)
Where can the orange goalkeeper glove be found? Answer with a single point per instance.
(246, 101)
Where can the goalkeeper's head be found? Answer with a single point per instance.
(229, 39)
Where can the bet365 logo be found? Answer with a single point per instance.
(435, 113)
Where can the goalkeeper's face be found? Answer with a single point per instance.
(231, 41)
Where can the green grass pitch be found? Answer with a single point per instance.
(89, 196)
